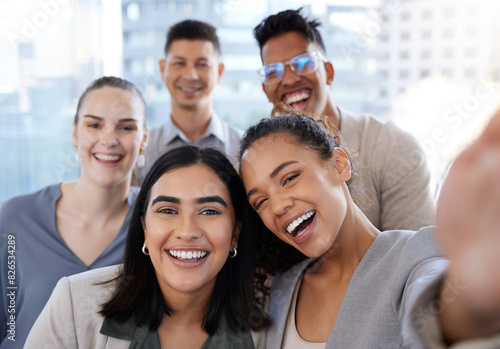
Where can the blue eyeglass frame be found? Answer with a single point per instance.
(280, 66)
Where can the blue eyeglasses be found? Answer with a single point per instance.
(303, 64)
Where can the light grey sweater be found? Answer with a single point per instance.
(394, 178)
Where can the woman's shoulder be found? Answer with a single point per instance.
(29, 207)
(99, 276)
(402, 240)
(71, 315)
(42, 196)
(86, 292)
(94, 286)
(401, 251)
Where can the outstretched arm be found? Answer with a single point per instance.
(468, 220)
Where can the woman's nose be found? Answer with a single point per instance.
(109, 138)
(188, 229)
(280, 204)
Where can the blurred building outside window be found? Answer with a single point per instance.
(431, 67)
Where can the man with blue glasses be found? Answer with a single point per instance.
(302, 64)
(393, 173)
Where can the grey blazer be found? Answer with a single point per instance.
(387, 300)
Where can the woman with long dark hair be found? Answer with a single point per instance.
(188, 272)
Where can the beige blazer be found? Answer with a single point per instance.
(70, 318)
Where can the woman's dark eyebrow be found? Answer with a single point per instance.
(273, 174)
(99, 118)
(280, 167)
(202, 200)
(213, 198)
(166, 199)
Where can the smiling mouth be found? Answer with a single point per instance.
(108, 158)
(297, 227)
(297, 99)
(190, 89)
(189, 256)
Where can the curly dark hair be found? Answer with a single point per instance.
(318, 134)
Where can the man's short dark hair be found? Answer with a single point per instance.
(192, 30)
(288, 21)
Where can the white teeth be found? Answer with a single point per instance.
(299, 220)
(105, 157)
(297, 97)
(187, 255)
(189, 89)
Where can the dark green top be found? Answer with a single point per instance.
(141, 338)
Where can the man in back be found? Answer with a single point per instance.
(394, 179)
(191, 69)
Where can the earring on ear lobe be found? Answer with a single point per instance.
(141, 159)
(77, 158)
(145, 249)
(235, 252)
